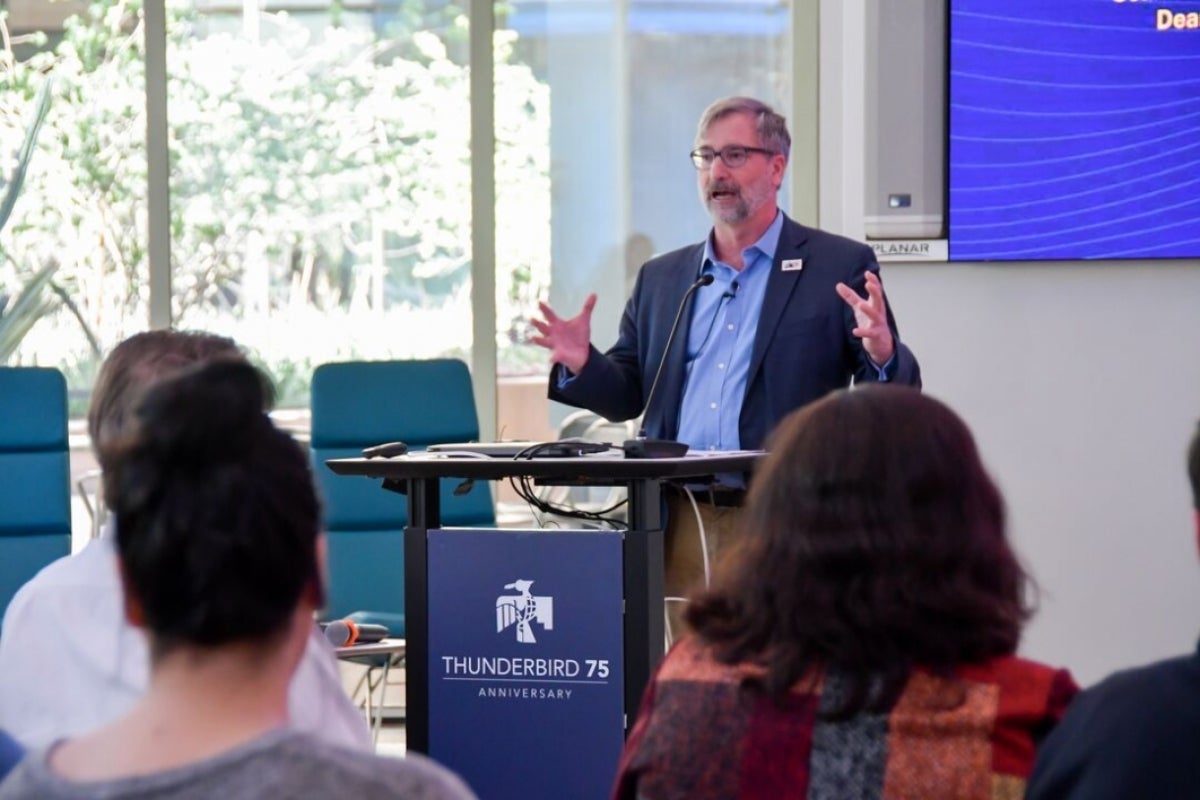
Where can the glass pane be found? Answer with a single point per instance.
(73, 267)
(623, 85)
(320, 194)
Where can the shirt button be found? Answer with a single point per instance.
(712, 447)
(721, 366)
(730, 326)
(712, 406)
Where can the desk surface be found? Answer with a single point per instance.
(585, 469)
(382, 647)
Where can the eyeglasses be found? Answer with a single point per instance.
(733, 155)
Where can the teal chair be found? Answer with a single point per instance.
(35, 495)
(362, 403)
(358, 404)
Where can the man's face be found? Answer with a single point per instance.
(733, 195)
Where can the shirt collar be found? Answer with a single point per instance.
(767, 244)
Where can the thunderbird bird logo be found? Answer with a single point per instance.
(522, 610)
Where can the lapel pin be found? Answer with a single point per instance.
(792, 265)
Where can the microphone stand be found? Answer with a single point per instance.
(641, 447)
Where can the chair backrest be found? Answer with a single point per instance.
(577, 423)
(362, 403)
(35, 495)
(591, 427)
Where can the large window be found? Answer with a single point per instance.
(73, 270)
(321, 169)
(320, 184)
(625, 83)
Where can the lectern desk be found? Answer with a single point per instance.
(418, 475)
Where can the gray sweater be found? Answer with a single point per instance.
(281, 764)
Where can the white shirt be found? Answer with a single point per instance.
(70, 662)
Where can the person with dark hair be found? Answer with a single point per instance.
(860, 640)
(788, 314)
(1134, 734)
(219, 545)
(70, 660)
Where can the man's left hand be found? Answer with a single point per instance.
(870, 315)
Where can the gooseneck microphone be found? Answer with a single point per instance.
(641, 447)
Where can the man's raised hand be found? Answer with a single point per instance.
(870, 315)
(568, 340)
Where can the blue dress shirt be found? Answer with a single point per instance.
(720, 340)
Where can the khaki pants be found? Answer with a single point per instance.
(684, 557)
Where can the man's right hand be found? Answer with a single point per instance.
(568, 340)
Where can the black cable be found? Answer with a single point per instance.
(526, 490)
(524, 487)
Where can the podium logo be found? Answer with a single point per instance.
(522, 610)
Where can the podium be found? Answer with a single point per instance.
(639, 558)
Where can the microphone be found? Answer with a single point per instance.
(345, 632)
(641, 447)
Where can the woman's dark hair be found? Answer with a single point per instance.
(217, 517)
(873, 542)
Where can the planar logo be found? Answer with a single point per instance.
(901, 248)
(522, 610)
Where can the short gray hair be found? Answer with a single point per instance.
(772, 127)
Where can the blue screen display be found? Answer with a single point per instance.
(1074, 129)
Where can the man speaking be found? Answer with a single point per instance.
(789, 314)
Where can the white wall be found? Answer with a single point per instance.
(1081, 382)
(1082, 385)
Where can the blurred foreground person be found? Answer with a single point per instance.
(1135, 733)
(10, 753)
(860, 641)
(220, 563)
(70, 660)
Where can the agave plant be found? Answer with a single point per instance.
(28, 307)
(34, 299)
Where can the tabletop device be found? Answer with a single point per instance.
(558, 448)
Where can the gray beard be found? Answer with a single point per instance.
(748, 201)
(740, 211)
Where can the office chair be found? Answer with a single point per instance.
(363, 403)
(35, 497)
(590, 427)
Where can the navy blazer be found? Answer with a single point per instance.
(803, 348)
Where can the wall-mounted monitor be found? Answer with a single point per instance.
(1074, 129)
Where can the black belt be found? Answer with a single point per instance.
(719, 498)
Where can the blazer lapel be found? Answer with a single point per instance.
(781, 285)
